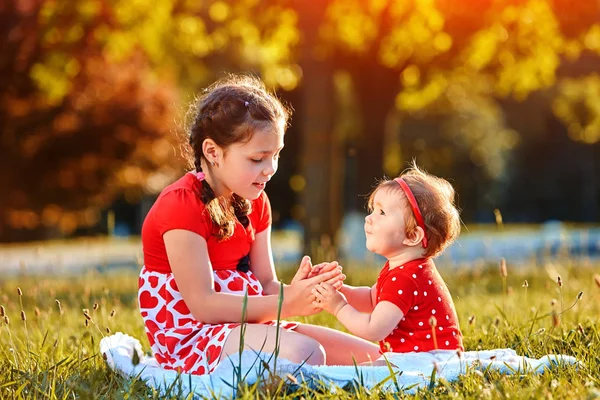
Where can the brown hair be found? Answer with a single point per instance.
(435, 197)
(228, 112)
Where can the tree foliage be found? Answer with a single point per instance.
(89, 102)
(91, 90)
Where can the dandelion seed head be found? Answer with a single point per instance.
(503, 270)
(555, 319)
(432, 321)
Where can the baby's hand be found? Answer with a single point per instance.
(328, 298)
(337, 282)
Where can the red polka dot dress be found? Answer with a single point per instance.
(178, 341)
(419, 291)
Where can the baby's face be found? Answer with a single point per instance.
(385, 226)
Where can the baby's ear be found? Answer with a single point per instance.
(414, 237)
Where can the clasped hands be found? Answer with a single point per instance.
(315, 288)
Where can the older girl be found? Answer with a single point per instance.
(206, 242)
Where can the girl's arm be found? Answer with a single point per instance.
(373, 326)
(261, 262)
(360, 297)
(188, 256)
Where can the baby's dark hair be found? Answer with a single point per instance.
(228, 112)
(435, 197)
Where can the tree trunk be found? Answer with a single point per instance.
(321, 198)
(376, 88)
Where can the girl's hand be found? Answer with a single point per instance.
(298, 297)
(304, 270)
(337, 282)
(328, 299)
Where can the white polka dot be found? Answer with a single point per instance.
(420, 266)
(400, 291)
(441, 329)
(416, 348)
(410, 334)
(403, 318)
(378, 298)
(394, 279)
(414, 275)
(447, 343)
(439, 299)
(453, 333)
(420, 324)
(447, 317)
(433, 311)
(424, 293)
(430, 282)
(428, 336)
(416, 293)
(402, 340)
(402, 267)
(416, 307)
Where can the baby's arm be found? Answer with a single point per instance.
(361, 297)
(374, 326)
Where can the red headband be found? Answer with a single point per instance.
(415, 207)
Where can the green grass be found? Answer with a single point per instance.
(54, 354)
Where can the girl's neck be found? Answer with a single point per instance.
(405, 255)
(218, 188)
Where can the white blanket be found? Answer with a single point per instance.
(411, 371)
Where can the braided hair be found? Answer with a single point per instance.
(228, 112)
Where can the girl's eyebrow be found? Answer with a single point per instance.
(268, 151)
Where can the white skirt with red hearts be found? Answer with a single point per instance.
(180, 342)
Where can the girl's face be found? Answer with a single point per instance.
(247, 167)
(385, 226)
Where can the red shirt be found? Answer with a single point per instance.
(419, 291)
(179, 207)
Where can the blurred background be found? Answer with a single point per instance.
(500, 97)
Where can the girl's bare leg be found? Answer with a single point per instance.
(341, 348)
(293, 346)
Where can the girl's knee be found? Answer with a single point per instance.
(307, 349)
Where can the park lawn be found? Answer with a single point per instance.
(49, 348)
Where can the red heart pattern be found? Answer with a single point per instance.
(179, 341)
